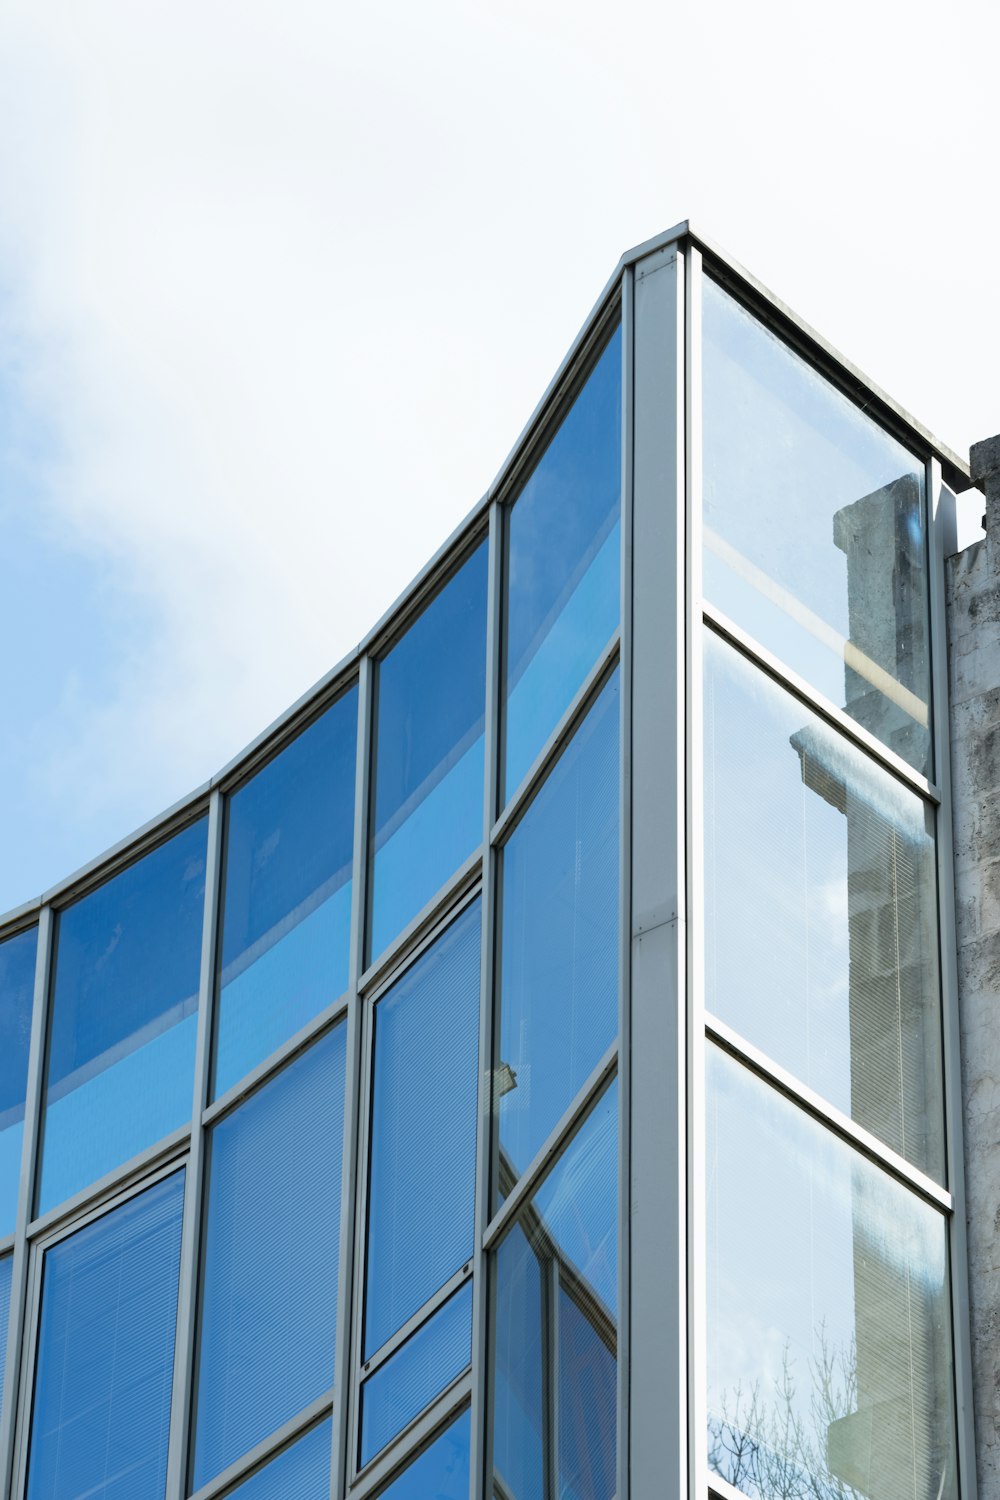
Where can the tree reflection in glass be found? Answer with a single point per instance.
(829, 1351)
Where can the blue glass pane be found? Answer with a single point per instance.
(442, 1470)
(6, 1269)
(564, 565)
(555, 1326)
(429, 1361)
(559, 956)
(428, 810)
(17, 988)
(287, 915)
(124, 1016)
(423, 1140)
(269, 1309)
(518, 1396)
(301, 1471)
(106, 1354)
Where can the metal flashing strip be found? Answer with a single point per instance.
(549, 1152)
(582, 702)
(416, 1320)
(415, 935)
(276, 1060)
(827, 1114)
(413, 1440)
(263, 1452)
(830, 362)
(825, 708)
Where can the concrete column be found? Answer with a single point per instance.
(973, 599)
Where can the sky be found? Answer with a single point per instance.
(281, 283)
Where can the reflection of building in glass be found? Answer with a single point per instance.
(530, 1071)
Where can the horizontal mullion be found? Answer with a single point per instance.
(836, 717)
(721, 1489)
(537, 1169)
(169, 1152)
(414, 1438)
(827, 1114)
(6, 1246)
(415, 1321)
(251, 1081)
(415, 933)
(582, 701)
(261, 1453)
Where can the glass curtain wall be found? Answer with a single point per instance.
(318, 1060)
(317, 1087)
(829, 1362)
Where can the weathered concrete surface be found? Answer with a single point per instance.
(973, 593)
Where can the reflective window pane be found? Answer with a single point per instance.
(559, 955)
(563, 566)
(830, 1367)
(124, 1016)
(17, 989)
(101, 1415)
(269, 1301)
(815, 536)
(555, 1326)
(827, 958)
(287, 913)
(420, 1369)
(302, 1471)
(423, 1135)
(441, 1472)
(431, 701)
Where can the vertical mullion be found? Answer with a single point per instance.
(550, 1378)
(695, 792)
(184, 1377)
(941, 719)
(14, 1398)
(624, 888)
(480, 1306)
(658, 1460)
(344, 1369)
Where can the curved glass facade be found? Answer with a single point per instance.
(539, 1036)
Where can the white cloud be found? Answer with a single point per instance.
(289, 279)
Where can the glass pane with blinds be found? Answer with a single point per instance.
(821, 934)
(563, 566)
(829, 1320)
(421, 1193)
(301, 1472)
(554, 1290)
(101, 1413)
(17, 989)
(287, 907)
(428, 800)
(559, 940)
(6, 1271)
(269, 1291)
(124, 1016)
(441, 1472)
(814, 529)
(419, 1370)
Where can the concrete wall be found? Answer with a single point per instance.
(973, 593)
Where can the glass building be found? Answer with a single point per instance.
(530, 1071)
